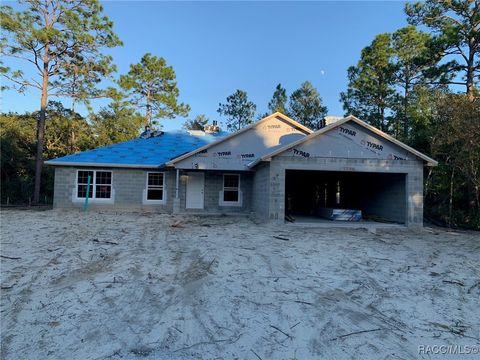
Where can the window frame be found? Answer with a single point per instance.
(94, 184)
(148, 187)
(223, 202)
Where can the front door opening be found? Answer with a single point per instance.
(195, 190)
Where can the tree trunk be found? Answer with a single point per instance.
(71, 125)
(382, 119)
(450, 205)
(397, 126)
(405, 111)
(470, 84)
(471, 71)
(72, 128)
(148, 113)
(41, 129)
(427, 183)
(474, 186)
(476, 183)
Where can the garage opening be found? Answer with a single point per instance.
(377, 196)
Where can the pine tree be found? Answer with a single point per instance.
(116, 123)
(370, 91)
(456, 26)
(279, 100)
(51, 35)
(306, 106)
(414, 58)
(238, 110)
(151, 85)
(198, 123)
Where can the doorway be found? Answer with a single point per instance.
(195, 190)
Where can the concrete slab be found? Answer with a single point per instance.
(372, 226)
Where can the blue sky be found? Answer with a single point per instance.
(218, 47)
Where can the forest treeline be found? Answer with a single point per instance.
(419, 84)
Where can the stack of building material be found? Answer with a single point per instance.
(340, 214)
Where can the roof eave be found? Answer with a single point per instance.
(429, 161)
(114, 165)
(256, 162)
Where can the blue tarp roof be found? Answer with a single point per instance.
(153, 151)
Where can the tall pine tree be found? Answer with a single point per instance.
(414, 58)
(50, 35)
(238, 110)
(370, 91)
(456, 26)
(279, 100)
(306, 106)
(151, 86)
(115, 123)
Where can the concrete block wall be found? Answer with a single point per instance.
(62, 188)
(414, 193)
(386, 197)
(128, 186)
(412, 168)
(213, 187)
(261, 191)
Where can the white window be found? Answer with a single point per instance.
(100, 184)
(231, 188)
(155, 187)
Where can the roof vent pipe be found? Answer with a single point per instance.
(331, 119)
(213, 128)
(148, 133)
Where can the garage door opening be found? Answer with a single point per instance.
(378, 196)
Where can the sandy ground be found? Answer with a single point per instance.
(129, 286)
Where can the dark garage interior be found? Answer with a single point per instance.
(379, 196)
